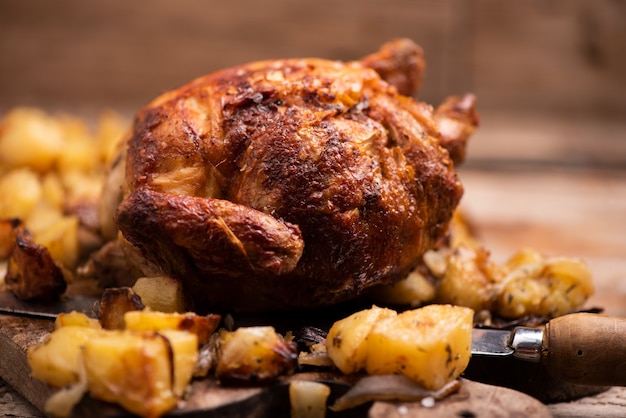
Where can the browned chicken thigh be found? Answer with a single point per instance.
(292, 183)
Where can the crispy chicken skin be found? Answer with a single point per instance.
(291, 183)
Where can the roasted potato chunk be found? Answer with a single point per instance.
(346, 342)
(146, 372)
(58, 360)
(411, 292)
(77, 319)
(61, 240)
(31, 272)
(308, 399)
(160, 293)
(114, 304)
(30, 138)
(430, 345)
(148, 320)
(535, 285)
(20, 190)
(254, 355)
(468, 280)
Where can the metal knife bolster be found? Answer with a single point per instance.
(526, 344)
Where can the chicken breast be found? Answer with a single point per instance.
(292, 183)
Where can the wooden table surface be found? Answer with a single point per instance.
(559, 211)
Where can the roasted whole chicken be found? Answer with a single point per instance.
(290, 183)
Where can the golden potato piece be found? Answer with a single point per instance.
(535, 285)
(146, 373)
(79, 153)
(20, 190)
(77, 319)
(30, 138)
(31, 272)
(52, 192)
(58, 360)
(308, 399)
(185, 348)
(114, 304)
(160, 293)
(254, 354)
(413, 291)
(430, 345)
(110, 133)
(468, 279)
(42, 216)
(570, 282)
(61, 240)
(148, 320)
(346, 342)
(523, 257)
(81, 187)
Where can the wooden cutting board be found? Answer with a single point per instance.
(16, 335)
(474, 399)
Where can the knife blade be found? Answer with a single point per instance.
(11, 305)
(581, 348)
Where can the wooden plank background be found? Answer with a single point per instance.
(550, 74)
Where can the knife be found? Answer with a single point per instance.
(11, 305)
(580, 348)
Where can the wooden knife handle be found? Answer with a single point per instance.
(586, 349)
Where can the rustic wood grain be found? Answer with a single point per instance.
(16, 335)
(121, 54)
(507, 138)
(558, 56)
(474, 400)
(610, 404)
(12, 404)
